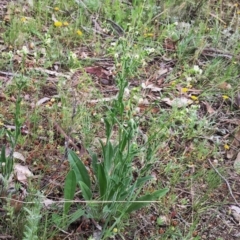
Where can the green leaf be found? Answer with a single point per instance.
(57, 219)
(108, 154)
(141, 181)
(102, 180)
(124, 141)
(3, 160)
(79, 168)
(69, 190)
(86, 191)
(3, 155)
(148, 197)
(108, 128)
(76, 215)
(94, 163)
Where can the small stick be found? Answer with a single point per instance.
(81, 150)
(225, 180)
(215, 16)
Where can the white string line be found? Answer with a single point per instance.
(77, 201)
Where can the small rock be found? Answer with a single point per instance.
(235, 213)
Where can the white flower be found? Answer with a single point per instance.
(126, 92)
(149, 50)
(47, 39)
(136, 56)
(144, 63)
(25, 50)
(197, 69)
(73, 55)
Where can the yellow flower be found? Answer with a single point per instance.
(194, 98)
(225, 97)
(79, 32)
(58, 24)
(226, 147)
(115, 230)
(23, 19)
(184, 90)
(148, 34)
(56, 9)
(1, 123)
(65, 24)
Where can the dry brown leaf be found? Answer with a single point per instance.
(224, 86)
(48, 202)
(16, 155)
(161, 72)
(19, 156)
(42, 100)
(152, 87)
(235, 212)
(230, 154)
(177, 102)
(234, 145)
(210, 110)
(22, 173)
(98, 72)
(169, 44)
(2, 97)
(236, 141)
(237, 100)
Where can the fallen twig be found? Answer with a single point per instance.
(226, 181)
(8, 74)
(81, 149)
(219, 19)
(214, 52)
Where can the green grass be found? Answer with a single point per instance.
(124, 44)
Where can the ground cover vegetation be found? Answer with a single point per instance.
(119, 119)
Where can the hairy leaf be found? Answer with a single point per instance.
(148, 198)
(79, 168)
(102, 180)
(86, 191)
(69, 190)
